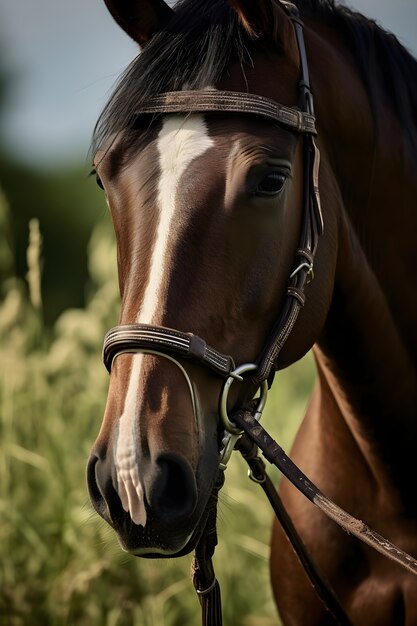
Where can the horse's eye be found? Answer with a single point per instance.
(98, 181)
(97, 177)
(271, 185)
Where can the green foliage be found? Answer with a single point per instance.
(59, 563)
(6, 246)
(67, 206)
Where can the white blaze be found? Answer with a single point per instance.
(180, 141)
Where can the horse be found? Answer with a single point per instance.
(207, 207)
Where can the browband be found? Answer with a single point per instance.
(212, 100)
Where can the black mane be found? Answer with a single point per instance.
(198, 43)
(388, 70)
(204, 36)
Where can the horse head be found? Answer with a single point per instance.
(207, 208)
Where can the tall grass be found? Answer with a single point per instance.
(59, 563)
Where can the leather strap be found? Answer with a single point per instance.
(273, 452)
(312, 224)
(204, 578)
(257, 473)
(302, 274)
(136, 337)
(214, 101)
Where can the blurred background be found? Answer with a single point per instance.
(59, 564)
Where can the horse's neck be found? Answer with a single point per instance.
(368, 351)
(367, 364)
(369, 376)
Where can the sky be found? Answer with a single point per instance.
(64, 56)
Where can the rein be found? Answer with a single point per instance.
(273, 452)
(242, 430)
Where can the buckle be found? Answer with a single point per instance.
(309, 273)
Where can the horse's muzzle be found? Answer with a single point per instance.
(173, 510)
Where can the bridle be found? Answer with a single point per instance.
(300, 119)
(173, 344)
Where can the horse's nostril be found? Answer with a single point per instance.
(173, 493)
(93, 488)
(103, 496)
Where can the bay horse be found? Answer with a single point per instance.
(207, 210)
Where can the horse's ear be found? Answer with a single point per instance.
(140, 19)
(261, 18)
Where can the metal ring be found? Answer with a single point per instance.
(259, 481)
(229, 442)
(237, 375)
